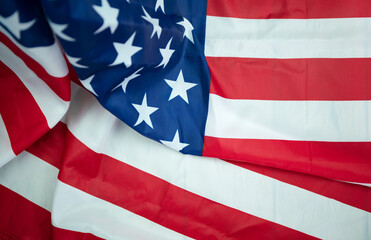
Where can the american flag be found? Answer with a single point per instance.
(278, 89)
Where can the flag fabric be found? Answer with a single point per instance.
(35, 82)
(297, 85)
(278, 89)
(103, 178)
(294, 76)
(234, 83)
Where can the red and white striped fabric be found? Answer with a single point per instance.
(34, 93)
(90, 176)
(116, 184)
(294, 76)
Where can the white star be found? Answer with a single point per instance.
(14, 25)
(179, 87)
(87, 84)
(128, 79)
(74, 60)
(144, 112)
(155, 23)
(188, 28)
(58, 30)
(160, 4)
(175, 143)
(109, 15)
(166, 54)
(125, 51)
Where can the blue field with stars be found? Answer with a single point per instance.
(143, 60)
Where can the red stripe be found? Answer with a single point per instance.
(50, 147)
(160, 201)
(23, 118)
(300, 9)
(291, 79)
(346, 161)
(61, 86)
(22, 219)
(355, 195)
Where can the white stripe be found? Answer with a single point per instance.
(49, 57)
(5, 147)
(217, 180)
(78, 211)
(75, 210)
(288, 38)
(30, 177)
(340, 121)
(363, 184)
(52, 106)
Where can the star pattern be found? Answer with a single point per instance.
(188, 28)
(109, 15)
(14, 25)
(180, 87)
(155, 24)
(160, 5)
(125, 51)
(128, 79)
(139, 62)
(74, 61)
(144, 112)
(166, 54)
(175, 143)
(87, 84)
(58, 30)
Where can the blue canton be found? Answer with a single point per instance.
(144, 61)
(33, 29)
